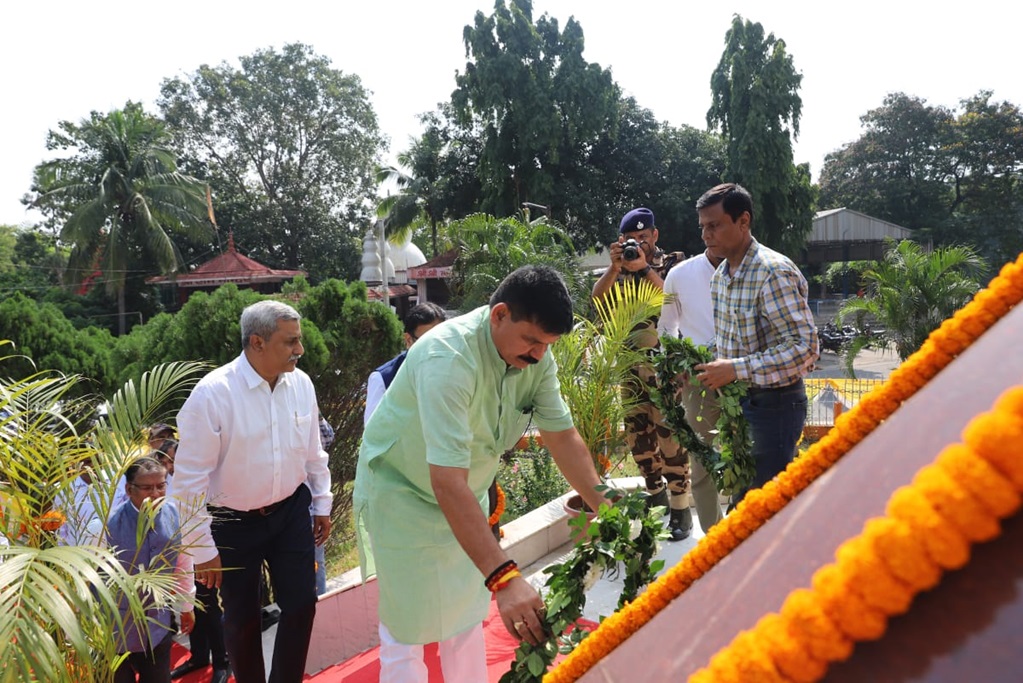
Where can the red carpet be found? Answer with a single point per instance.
(365, 668)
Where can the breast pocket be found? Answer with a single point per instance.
(299, 437)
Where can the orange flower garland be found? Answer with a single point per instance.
(953, 337)
(877, 574)
(499, 510)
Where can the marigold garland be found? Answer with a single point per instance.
(953, 337)
(877, 574)
(499, 510)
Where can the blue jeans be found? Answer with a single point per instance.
(776, 418)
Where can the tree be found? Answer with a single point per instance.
(539, 105)
(435, 178)
(359, 335)
(28, 261)
(291, 146)
(756, 105)
(43, 339)
(896, 171)
(954, 175)
(121, 198)
(491, 248)
(911, 292)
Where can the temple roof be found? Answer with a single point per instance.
(227, 267)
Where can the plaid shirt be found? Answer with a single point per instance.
(762, 320)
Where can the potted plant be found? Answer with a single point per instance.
(594, 362)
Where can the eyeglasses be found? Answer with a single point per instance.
(151, 488)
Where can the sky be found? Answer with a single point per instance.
(63, 59)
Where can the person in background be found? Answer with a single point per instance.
(139, 543)
(420, 319)
(429, 453)
(326, 439)
(249, 465)
(764, 330)
(663, 463)
(165, 451)
(688, 312)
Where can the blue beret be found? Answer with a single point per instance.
(637, 219)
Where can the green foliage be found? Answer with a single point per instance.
(730, 458)
(756, 105)
(358, 336)
(59, 602)
(28, 261)
(538, 105)
(912, 291)
(45, 340)
(491, 248)
(846, 274)
(595, 361)
(120, 198)
(530, 479)
(954, 175)
(289, 145)
(624, 536)
(640, 162)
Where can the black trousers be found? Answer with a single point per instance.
(207, 637)
(151, 667)
(284, 540)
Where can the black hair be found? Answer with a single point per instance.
(423, 314)
(537, 294)
(733, 197)
(143, 465)
(164, 448)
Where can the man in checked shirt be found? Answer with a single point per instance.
(764, 330)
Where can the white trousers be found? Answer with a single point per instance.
(463, 658)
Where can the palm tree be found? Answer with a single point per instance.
(58, 601)
(491, 248)
(911, 292)
(418, 199)
(122, 195)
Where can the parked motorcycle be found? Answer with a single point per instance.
(833, 338)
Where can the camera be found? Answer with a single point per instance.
(630, 250)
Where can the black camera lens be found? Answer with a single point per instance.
(630, 250)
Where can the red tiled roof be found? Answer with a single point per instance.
(228, 267)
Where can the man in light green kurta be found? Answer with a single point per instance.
(430, 451)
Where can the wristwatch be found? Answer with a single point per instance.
(642, 271)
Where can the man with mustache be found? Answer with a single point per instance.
(430, 450)
(249, 465)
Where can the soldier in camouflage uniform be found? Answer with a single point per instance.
(663, 462)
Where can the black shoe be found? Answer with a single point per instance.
(268, 617)
(659, 499)
(221, 675)
(188, 667)
(680, 525)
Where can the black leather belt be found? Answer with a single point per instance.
(264, 511)
(798, 384)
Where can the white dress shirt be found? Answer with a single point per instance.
(374, 393)
(689, 312)
(244, 446)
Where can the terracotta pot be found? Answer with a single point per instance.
(575, 506)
